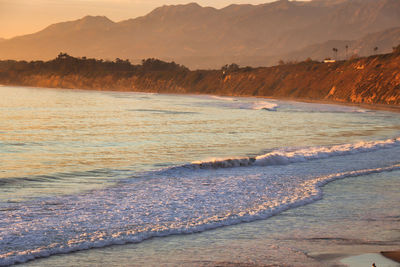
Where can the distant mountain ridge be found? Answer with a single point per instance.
(205, 37)
(382, 41)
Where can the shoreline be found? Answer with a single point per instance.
(379, 107)
(368, 259)
(320, 237)
(248, 249)
(369, 82)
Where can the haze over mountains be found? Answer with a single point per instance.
(205, 37)
(373, 43)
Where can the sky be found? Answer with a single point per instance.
(19, 17)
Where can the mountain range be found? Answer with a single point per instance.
(205, 37)
(373, 43)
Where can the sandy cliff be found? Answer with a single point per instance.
(371, 80)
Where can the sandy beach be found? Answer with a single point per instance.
(211, 133)
(293, 218)
(314, 235)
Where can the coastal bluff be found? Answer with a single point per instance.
(369, 80)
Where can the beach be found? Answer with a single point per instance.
(139, 179)
(304, 236)
(207, 134)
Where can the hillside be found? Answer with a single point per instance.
(384, 41)
(205, 37)
(370, 80)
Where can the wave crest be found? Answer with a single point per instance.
(265, 105)
(282, 157)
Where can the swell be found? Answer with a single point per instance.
(284, 157)
(33, 179)
(52, 178)
(98, 239)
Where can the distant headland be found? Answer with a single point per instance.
(373, 80)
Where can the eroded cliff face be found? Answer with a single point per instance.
(372, 80)
(368, 80)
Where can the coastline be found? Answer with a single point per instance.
(379, 107)
(304, 234)
(319, 241)
(370, 82)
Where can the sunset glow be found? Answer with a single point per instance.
(210, 133)
(27, 16)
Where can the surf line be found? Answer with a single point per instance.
(312, 193)
(285, 157)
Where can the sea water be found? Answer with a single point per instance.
(87, 169)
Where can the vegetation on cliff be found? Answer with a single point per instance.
(374, 79)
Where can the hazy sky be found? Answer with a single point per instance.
(19, 17)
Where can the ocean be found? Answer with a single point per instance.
(97, 178)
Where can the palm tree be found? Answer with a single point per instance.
(347, 48)
(375, 49)
(335, 51)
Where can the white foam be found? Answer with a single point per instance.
(183, 202)
(86, 235)
(238, 103)
(265, 105)
(282, 157)
(225, 98)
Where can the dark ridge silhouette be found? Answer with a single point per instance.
(369, 80)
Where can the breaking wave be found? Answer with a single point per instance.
(182, 202)
(265, 105)
(87, 238)
(254, 105)
(282, 157)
